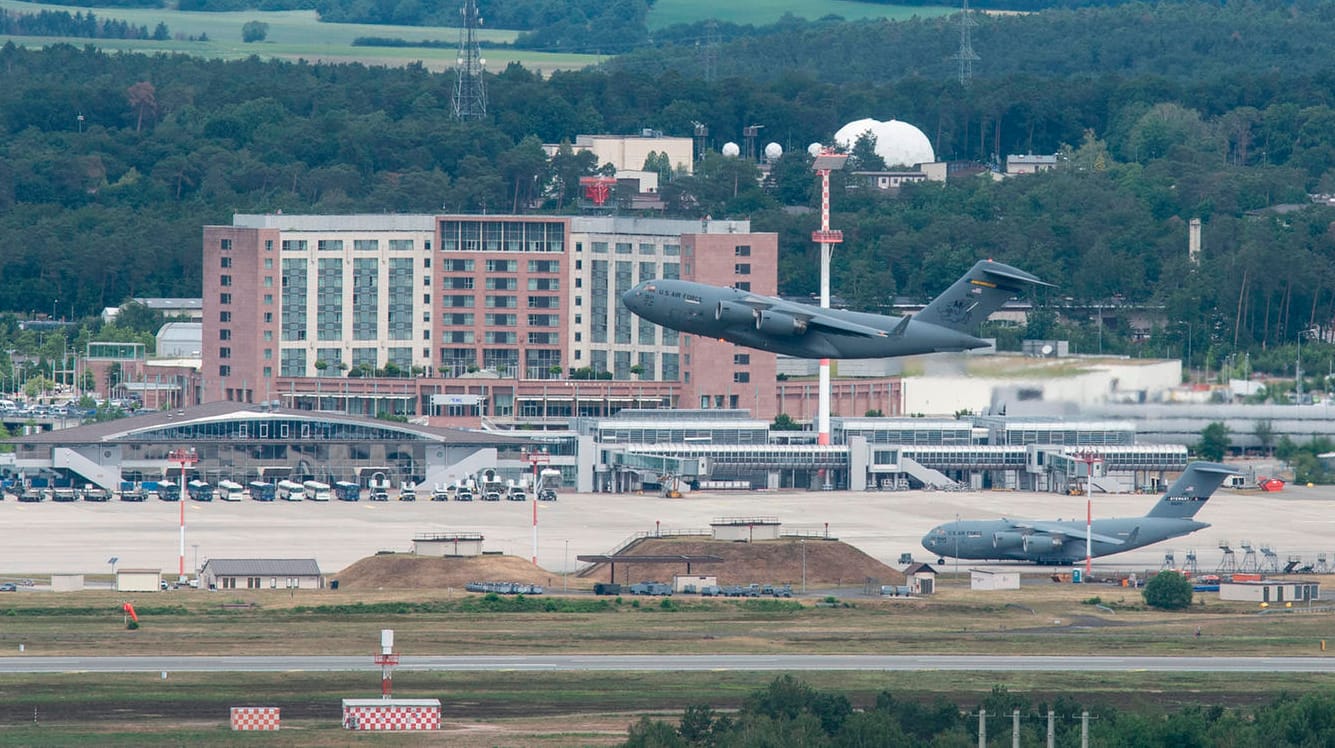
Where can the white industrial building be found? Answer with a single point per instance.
(261, 574)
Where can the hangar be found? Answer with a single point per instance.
(242, 442)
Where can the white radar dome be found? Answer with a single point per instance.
(898, 143)
(773, 151)
(814, 149)
(731, 150)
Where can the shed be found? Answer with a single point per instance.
(989, 579)
(1270, 591)
(467, 544)
(693, 582)
(138, 580)
(66, 582)
(746, 529)
(921, 577)
(261, 574)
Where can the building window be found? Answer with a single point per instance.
(742, 268)
(400, 245)
(294, 245)
(743, 285)
(268, 245)
(224, 352)
(224, 371)
(268, 281)
(741, 250)
(224, 280)
(225, 262)
(503, 266)
(741, 359)
(224, 298)
(225, 245)
(329, 245)
(268, 316)
(224, 316)
(268, 299)
(268, 372)
(225, 334)
(268, 263)
(741, 376)
(366, 245)
(624, 248)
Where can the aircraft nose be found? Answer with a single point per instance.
(632, 298)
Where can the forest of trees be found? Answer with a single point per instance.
(78, 24)
(791, 712)
(110, 164)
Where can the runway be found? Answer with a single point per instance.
(673, 663)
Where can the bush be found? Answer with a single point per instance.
(132, 625)
(1168, 590)
(254, 31)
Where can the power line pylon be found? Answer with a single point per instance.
(470, 95)
(966, 57)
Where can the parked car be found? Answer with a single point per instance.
(9, 587)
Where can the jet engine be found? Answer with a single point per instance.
(1039, 543)
(1007, 540)
(726, 311)
(778, 323)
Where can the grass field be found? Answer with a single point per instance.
(295, 35)
(533, 708)
(668, 12)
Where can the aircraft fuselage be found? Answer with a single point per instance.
(793, 329)
(1001, 540)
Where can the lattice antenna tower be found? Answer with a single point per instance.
(709, 51)
(966, 57)
(470, 95)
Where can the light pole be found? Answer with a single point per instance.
(804, 565)
(185, 458)
(565, 565)
(535, 458)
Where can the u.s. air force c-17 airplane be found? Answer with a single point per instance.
(1063, 542)
(807, 331)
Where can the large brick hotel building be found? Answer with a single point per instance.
(492, 314)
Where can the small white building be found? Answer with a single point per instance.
(66, 582)
(746, 529)
(138, 580)
(464, 544)
(988, 579)
(695, 582)
(261, 574)
(1273, 592)
(922, 578)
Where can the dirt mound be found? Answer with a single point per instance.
(763, 561)
(404, 571)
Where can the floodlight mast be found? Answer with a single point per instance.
(536, 456)
(826, 161)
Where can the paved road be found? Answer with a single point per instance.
(674, 663)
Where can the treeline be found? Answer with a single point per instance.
(790, 712)
(171, 143)
(83, 25)
(1186, 41)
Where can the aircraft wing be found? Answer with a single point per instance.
(1061, 528)
(814, 317)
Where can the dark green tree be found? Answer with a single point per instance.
(1214, 442)
(254, 31)
(785, 422)
(1168, 590)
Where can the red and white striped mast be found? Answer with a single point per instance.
(185, 458)
(827, 160)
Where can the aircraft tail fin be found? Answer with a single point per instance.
(980, 292)
(1191, 490)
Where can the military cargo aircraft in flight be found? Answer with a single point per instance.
(1062, 542)
(807, 331)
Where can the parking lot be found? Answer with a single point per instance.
(81, 537)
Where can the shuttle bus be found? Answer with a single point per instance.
(231, 491)
(261, 491)
(199, 490)
(291, 491)
(317, 491)
(346, 491)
